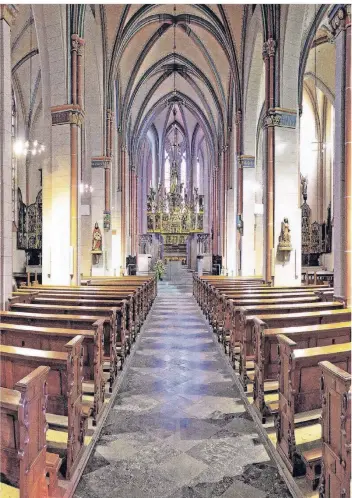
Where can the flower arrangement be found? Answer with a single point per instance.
(159, 269)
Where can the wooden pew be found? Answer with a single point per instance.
(215, 293)
(55, 339)
(336, 432)
(131, 300)
(114, 330)
(244, 329)
(22, 435)
(139, 302)
(299, 393)
(218, 318)
(330, 330)
(82, 300)
(64, 392)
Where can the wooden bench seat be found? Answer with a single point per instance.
(218, 322)
(299, 392)
(328, 331)
(22, 435)
(64, 386)
(115, 342)
(82, 301)
(134, 309)
(214, 294)
(55, 339)
(245, 331)
(74, 321)
(336, 431)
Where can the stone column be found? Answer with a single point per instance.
(61, 197)
(215, 211)
(7, 15)
(224, 191)
(239, 231)
(340, 21)
(123, 205)
(247, 166)
(269, 48)
(231, 232)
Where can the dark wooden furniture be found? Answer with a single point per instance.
(23, 431)
(64, 389)
(299, 392)
(336, 432)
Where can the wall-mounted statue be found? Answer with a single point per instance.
(285, 237)
(97, 238)
(304, 185)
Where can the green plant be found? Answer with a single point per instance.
(159, 269)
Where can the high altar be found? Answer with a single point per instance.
(175, 214)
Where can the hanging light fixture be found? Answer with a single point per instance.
(84, 188)
(28, 147)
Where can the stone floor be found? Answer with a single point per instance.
(178, 428)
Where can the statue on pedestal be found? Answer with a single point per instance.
(97, 238)
(285, 237)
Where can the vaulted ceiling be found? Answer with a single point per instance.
(166, 54)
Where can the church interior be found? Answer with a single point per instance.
(175, 250)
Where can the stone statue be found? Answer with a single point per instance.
(97, 238)
(285, 237)
(304, 184)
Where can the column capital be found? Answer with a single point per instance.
(279, 116)
(80, 49)
(339, 18)
(67, 114)
(269, 48)
(101, 162)
(8, 13)
(74, 43)
(246, 161)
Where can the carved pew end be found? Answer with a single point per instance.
(53, 463)
(312, 460)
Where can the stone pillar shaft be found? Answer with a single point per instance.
(239, 210)
(123, 204)
(6, 17)
(340, 21)
(348, 167)
(269, 62)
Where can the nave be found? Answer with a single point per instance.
(179, 427)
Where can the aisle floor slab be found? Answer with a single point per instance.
(178, 428)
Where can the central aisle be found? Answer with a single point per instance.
(179, 428)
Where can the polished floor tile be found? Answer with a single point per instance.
(179, 428)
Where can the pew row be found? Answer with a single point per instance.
(115, 343)
(64, 399)
(299, 393)
(244, 331)
(55, 339)
(266, 361)
(336, 432)
(23, 436)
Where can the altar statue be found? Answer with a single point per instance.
(97, 238)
